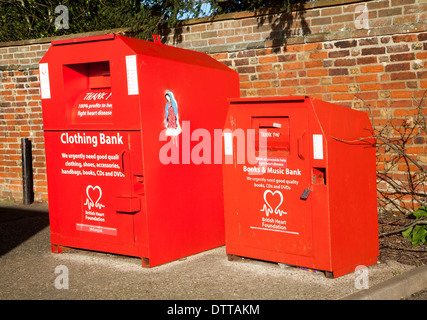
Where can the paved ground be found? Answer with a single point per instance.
(422, 295)
(28, 270)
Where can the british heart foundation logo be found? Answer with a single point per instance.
(272, 203)
(93, 197)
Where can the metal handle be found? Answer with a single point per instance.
(123, 161)
(300, 141)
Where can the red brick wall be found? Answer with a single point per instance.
(21, 117)
(332, 50)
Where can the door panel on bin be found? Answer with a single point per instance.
(89, 171)
(272, 216)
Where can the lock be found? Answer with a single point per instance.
(305, 194)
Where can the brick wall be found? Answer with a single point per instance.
(21, 117)
(339, 51)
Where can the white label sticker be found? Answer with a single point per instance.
(96, 229)
(44, 80)
(317, 146)
(132, 75)
(228, 143)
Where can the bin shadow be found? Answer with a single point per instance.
(18, 223)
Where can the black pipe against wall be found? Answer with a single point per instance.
(27, 171)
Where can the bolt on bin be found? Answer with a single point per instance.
(122, 152)
(305, 195)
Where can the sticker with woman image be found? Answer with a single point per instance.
(172, 119)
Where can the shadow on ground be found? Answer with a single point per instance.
(17, 224)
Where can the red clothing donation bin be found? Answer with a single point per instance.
(309, 197)
(118, 115)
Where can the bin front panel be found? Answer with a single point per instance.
(92, 186)
(264, 208)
